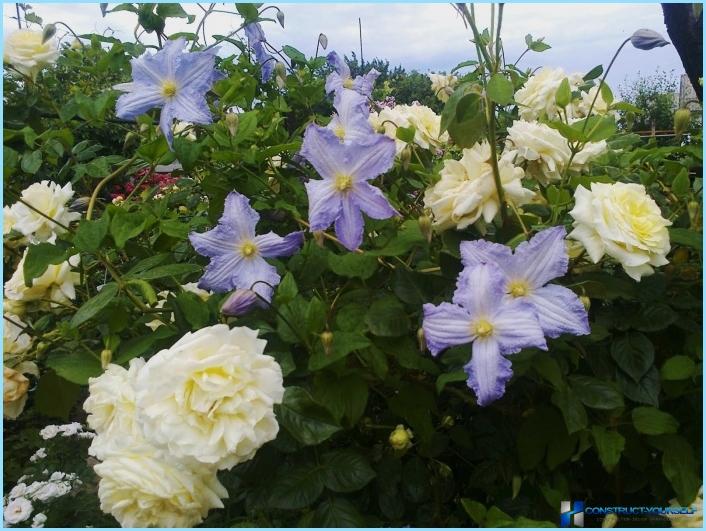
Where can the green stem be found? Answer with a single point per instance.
(103, 182)
(600, 85)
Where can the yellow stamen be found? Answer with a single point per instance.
(348, 83)
(340, 132)
(483, 328)
(248, 249)
(169, 89)
(518, 288)
(343, 182)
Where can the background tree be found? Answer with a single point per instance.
(656, 95)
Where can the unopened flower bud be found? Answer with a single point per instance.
(586, 301)
(447, 422)
(610, 520)
(232, 122)
(319, 237)
(682, 118)
(327, 341)
(646, 39)
(274, 185)
(48, 33)
(401, 438)
(79, 204)
(406, 156)
(106, 358)
(694, 209)
(183, 210)
(239, 302)
(425, 227)
(421, 340)
(281, 75)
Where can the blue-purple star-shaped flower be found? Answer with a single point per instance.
(341, 77)
(238, 255)
(496, 325)
(172, 80)
(256, 40)
(343, 193)
(350, 122)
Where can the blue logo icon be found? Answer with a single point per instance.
(572, 514)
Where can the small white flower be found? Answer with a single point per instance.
(537, 97)
(18, 510)
(39, 454)
(69, 430)
(57, 283)
(49, 432)
(17, 491)
(193, 287)
(156, 323)
(39, 520)
(443, 85)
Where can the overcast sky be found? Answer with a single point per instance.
(425, 37)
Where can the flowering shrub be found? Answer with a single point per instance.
(261, 298)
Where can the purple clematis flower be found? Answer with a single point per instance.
(341, 78)
(344, 192)
(528, 270)
(350, 122)
(172, 80)
(494, 324)
(238, 255)
(256, 40)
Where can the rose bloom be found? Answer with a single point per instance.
(18, 510)
(141, 489)
(590, 152)
(15, 340)
(584, 104)
(537, 97)
(427, 125)
(56, 283)
(466, 191)
(624, 222)
(443, 85)
(111, 409)
(544, 149)
(210, 396)
(25, 51)
(14, 392)
(49, 198)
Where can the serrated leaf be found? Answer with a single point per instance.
(652, 421)
(95, 304)
(346, 471)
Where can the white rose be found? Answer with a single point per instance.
(600, 107)
(18, 510)
(49, 432)
(14, 392)
(545, 150)
(624, 222)
(39, 520)
(156, 323)
(466, 191)
(210, 396)
(538, 96)
(25, 51)
(427, 125)
(15, 340)
(443, 85)
(45, 491)
(52, 200)
(111, 409)
(56, 283)
(17, 491)
(590, 151)
(193, 287)
(141, 490)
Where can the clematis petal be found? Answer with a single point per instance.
(239, 217)
(254, 33)
(350, 123)
(339, 64)
(214, 242)
(349, 225)
(334, 82)
(488, 371)
(364, 84)
(240, 302)
(221, 274)
(372, 201)
(195, 72)
(271, 245)
(515, 326)
(542, 258)
(480, 289)
(372, 159)
(166, 119)
(192, 107)
(259, 276)
(446, 325)
(323, 150)
(324, 204)
(131, 105)
(479, 251)
(559, 311)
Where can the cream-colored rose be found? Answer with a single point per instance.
(544, 149)
(111, 410)
(193, 287)
(13, 307)
(466, 190)
(584, 104)
(160, 320)
(56, 283)
(537, 97)
(15, 339)
(181, 127)
(590, 152)
(51, 200)
(210, 396)
(25, 51)
(694, 520)
(624, 222)
(14, 395)
(427, 125)
(443, 85)
(144, 490)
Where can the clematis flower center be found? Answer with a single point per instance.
(483, 328)
(340, 132)
(518, 288)
(248, 249)
(348, 83)
(343, 182)
(169, 89)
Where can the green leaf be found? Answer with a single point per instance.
(599, 127)
(95, 304)
(387, 317)
(408, 236)
(570, 132)
(287, 289)
(680, 466)
(593, 73)
(247, 11)
(169, 270)
(678, 368)
(406, 134)
(681, 183)
(449, 377)
(187, 151)
(192, 307)
(688, 237)
(500, 89)
(294, 54)
(539, 45)
(31, 162)
(297, 487)
(76, 367)
(572, 409)
(475, 510)
(345, 396)
(171, 10)
(125, 225)
(305, 420)
(353, 265)
(595, 393)
(634, 354)
(609, 445)
(652, 421)
(563, 93)
(346, 471)
(338, 512)
(55, 397)
(343, 344)
(606, 94)
(90, 234)
(40, 256)
(646, 391)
